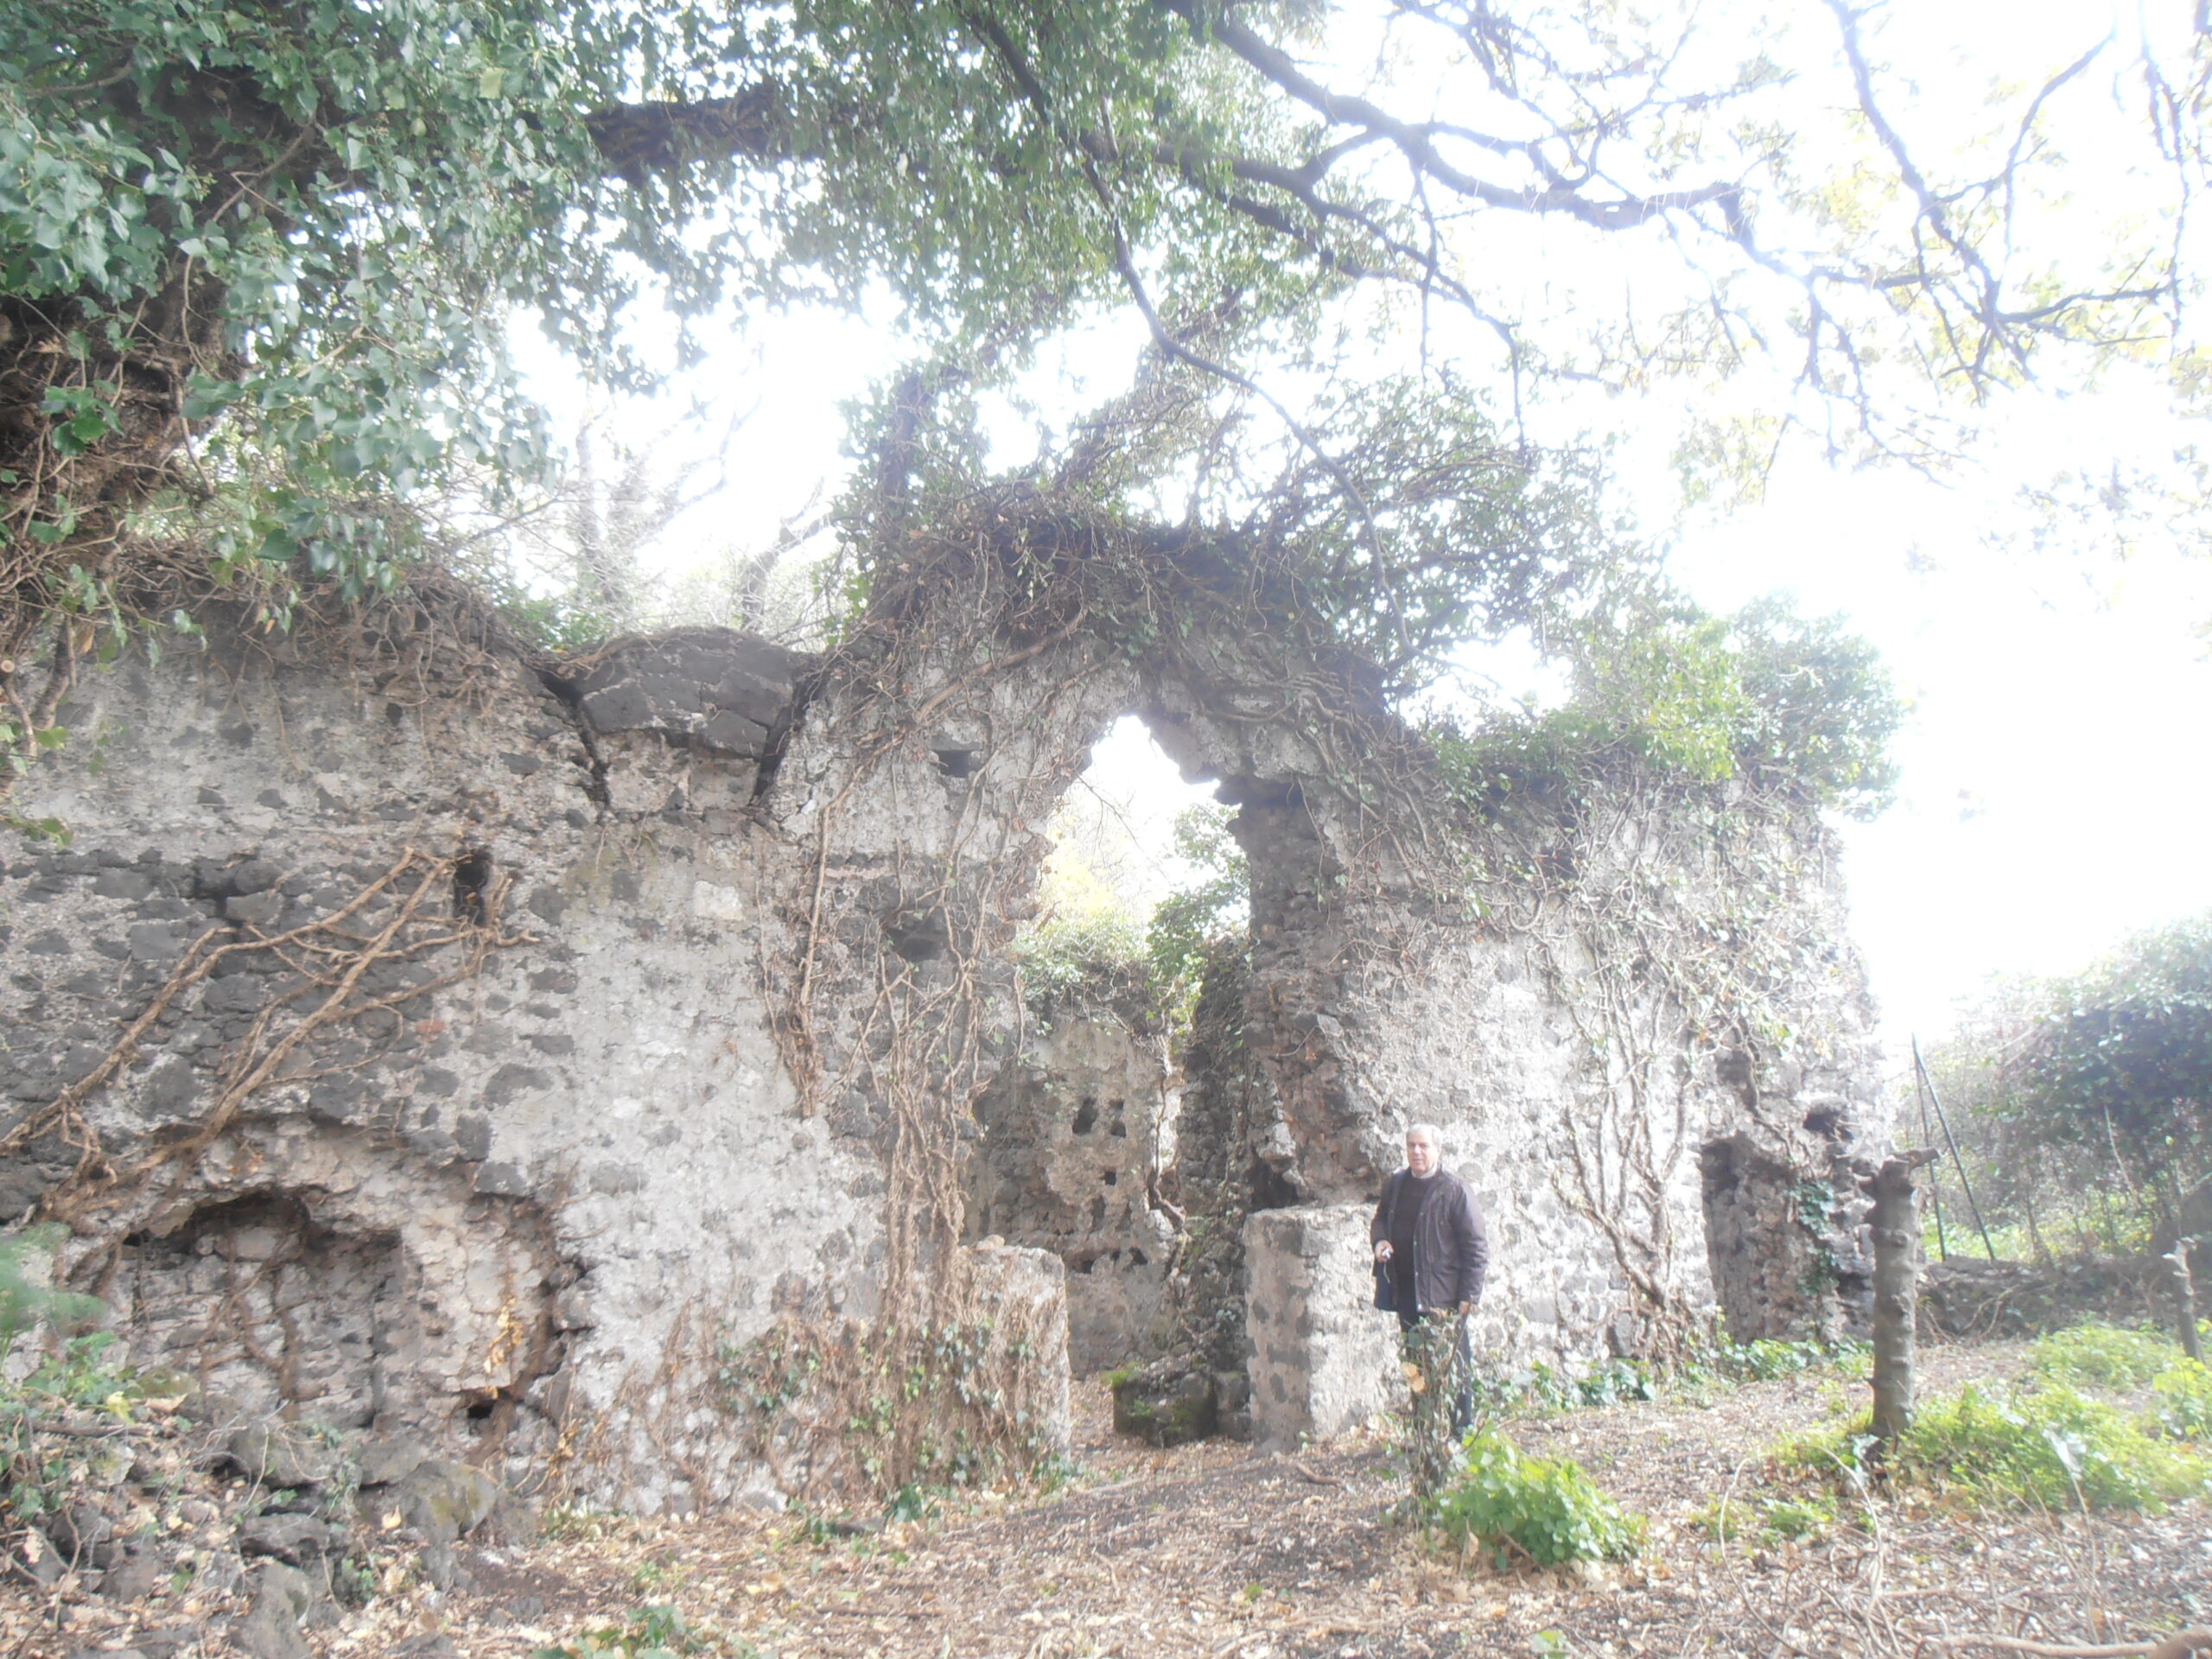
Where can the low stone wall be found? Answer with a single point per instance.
(1979, 1299)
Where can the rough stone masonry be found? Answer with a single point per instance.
(739, 925)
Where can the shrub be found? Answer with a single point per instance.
(2102, 1356)
(2184, 1400)
(2047, 1447)
(1544, 1509)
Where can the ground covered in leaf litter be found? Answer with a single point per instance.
(1211, 1550)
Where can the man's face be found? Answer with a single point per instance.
(1420, 1154)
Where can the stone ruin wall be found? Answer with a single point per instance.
(1071, 1140)
(759, 921)
(519, 1220)
(1365, 1015)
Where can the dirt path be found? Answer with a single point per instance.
(1214, 1551)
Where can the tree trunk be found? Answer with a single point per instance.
(2177, 1260)
(1895, 1223)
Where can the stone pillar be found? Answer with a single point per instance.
(1026, 1295)
(1323, 1360)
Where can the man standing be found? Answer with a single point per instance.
(1428, 1232)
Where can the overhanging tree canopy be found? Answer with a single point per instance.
(299, 228)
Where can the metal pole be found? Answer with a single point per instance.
(1928, 1132)
(1958, 1162)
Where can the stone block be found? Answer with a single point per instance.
(1323, 1360)
(270, 1629)
(1027, 1292)
(715, 688)
(1167, 1403)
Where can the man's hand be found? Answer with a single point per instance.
(1381, 1250)
(1466, 1307)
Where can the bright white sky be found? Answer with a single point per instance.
(2055, 790)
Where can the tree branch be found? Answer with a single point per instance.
(638, 139)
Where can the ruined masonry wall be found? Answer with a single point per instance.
(761, 918)
(1367, 1011)
(516, 1222)
(1069, 1143)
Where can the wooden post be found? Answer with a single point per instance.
(2177, 1260)
(1895, 1223)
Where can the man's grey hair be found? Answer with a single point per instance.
(1430, 1132)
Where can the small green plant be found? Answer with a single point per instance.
(914, 1503)
(2181, 1401)
(657, 1572)
(1546, 1510)
(24, 1303)
(2047, 1447)
(560, 1523)
(1770, 1519)
(1796, 1519)
(1767, 1360)
(2102, 1356)
(819, 1530)
(1542, 1387)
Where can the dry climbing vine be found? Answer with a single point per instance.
(931, 1387)
(413, 909)
(1673, 930)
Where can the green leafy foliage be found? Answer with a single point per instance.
(317, 220)
(1187, 924)
(1768, 1359)
(1099, 949)
(1545, 1510)
(2044, 1447)
(2119, 1059)
(2103, 1356)
(24, 1302)
(2181, 1401)
(1799, 706)
(1768, 1519)
(2084, 1104)
(1539, 1386)
(1543, 1388)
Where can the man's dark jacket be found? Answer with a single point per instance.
(1451, 1250)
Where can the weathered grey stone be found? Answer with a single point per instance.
(715, 687)
(443, 1500)
(503, 1181)
(1323, 1360)
(132, 1572)
(1971, 1298)
(1072, 1139)
(298, 1539)
(270, 1629)
(382, 1460)
(35, 1560)
(274, 1455)
(1170, 1403)
(344, 1260)
(259, 909)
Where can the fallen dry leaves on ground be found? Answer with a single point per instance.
(1213, 1551)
